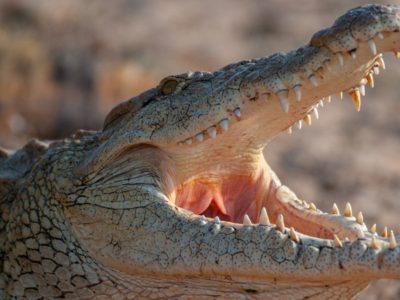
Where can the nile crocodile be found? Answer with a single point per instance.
(174, 199)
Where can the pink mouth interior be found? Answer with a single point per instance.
(233, 197)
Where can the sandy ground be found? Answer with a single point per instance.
(64, 64)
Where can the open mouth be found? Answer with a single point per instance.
(262, 200)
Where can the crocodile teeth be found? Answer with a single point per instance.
(293, 235)
(335, 209)
(313, 207)
(340, 95)
(307, 119)
(297, 91)
(313, 80)
(353, 54)
(396, 54)
(200, 137)
(356, 98)
(360, 218)
(212, 132)
(264, 220)
(340, 58)
(348, 212)
(328, 99)
(246, 220)
(315, 111)
(338, 242)
(284, 101)
(362, 89)
(370, 80)
(321, 103)
(237, 112)
(384, 232)
(380, 35)
(373, 229)
(381, 62)
(289, 130)
(217, 220)
(188, 141)
(280, 223)
(372, 46)
(299, 124)
(392, 240)
(224, 124)
(376, 70)
(374, 244)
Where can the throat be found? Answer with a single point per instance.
(228, 196)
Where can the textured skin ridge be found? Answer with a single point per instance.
(91, 216)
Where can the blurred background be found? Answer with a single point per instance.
(65, 63)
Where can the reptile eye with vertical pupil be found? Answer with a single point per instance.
(169, 86)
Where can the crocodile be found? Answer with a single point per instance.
(173, 198)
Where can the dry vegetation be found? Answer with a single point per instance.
(65, 63)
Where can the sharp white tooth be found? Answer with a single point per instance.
(316, 114)
(264, 220)
(237, 112)
(340, 58)
(289, 130)
(370, 80)
(373, 229)
(392, 240)
(280, 223)
(313, 80)
(384, 232)
(360, 218)
(297, 91)
(321, 103)
(299, 124)
(212, 132)
(380, 35)
(348, 212)
(313, 207)
(362, 89)
(217, 220)
(335, 209)
(284, 102)
(188, 141)
(224, 124)
(246, 220)
(353, 54)
(374, 244)
(328, 99)
(338, 242)
(372, 46)
(376, 70)
(200, 137)
(293, 235)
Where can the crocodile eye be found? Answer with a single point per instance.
(169, 86)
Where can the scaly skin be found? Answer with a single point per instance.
(116, 213)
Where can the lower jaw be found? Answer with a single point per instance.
(237, 199)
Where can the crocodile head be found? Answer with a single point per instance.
(175, 198)
(202, 136)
